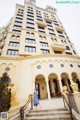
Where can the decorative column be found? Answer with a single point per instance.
(48, 91)
(71, 80)
(61, 87)
(60, 83)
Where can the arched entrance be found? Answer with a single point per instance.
(54, 85)
(75, 79)
(66, 82)
(40, 85)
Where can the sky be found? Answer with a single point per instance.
(69, 15)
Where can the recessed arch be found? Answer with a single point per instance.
(53, 75)
(66, 81)
(54, 85)
(40, 85)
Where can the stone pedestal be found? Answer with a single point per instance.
(13, 95)
(74, 87)
(75, 101)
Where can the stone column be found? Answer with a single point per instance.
(71, 80)
(61, 87)
(48, 90)
(60, 83)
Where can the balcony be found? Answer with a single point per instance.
(58, 47)
(59, 28)
(48, 19)
(41, 23)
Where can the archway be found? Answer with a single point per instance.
(40, 85)
(54, 85)
(75, 79)
(66, 81)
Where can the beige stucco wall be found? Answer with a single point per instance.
(23, 72)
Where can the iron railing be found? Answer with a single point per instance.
(25, 107)
(66, 102)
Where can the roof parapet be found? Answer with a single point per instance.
(51, 9)
(30, 1)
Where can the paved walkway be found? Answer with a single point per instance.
(51, 103)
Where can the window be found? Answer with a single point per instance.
(19, 15)
(14, 44)
(30, 16)
(61, 36)
(30, 23)
(28, 40)
(30, 13)
(43, 51)
(51, 33)
(49, 25)
(56, 24)
(27, 33)
(57, 52)
(60, 32)
(30, 19)
(51, 65)
(40, 37)
(39, 19)
(44, 44)
(74, 52)
(44, 38)
(71, 65)
(30, 49)
(67, 48)
(19, 18)
(62, 65)
(62, 41)
(13, 36)
(12, 52)
(17, 37)
(41, 31)
(17, 31)
(29, 27)
(48, 22)
(68, 53)
(38, 67)
(39, 27)
(18, 22)
(65, 41)
(39, 16)
(32, 34)
(50, 29)
(17, 26)
(79, 66)
(55, 21)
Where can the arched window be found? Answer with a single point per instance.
(13, 36)
(17, 37)
(40, 37)
(27, 33)
(32, 34)
(52, 39)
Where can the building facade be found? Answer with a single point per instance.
(36, 51)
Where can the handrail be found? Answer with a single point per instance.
(68, 104)
(23, 108)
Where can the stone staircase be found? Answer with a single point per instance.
(49, 114)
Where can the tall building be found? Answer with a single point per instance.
(36, 51)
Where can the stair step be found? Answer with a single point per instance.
(48, 113)
(52, 117)
(46, 110)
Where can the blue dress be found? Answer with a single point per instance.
(36, 101)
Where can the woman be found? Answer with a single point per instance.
(36, 101)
